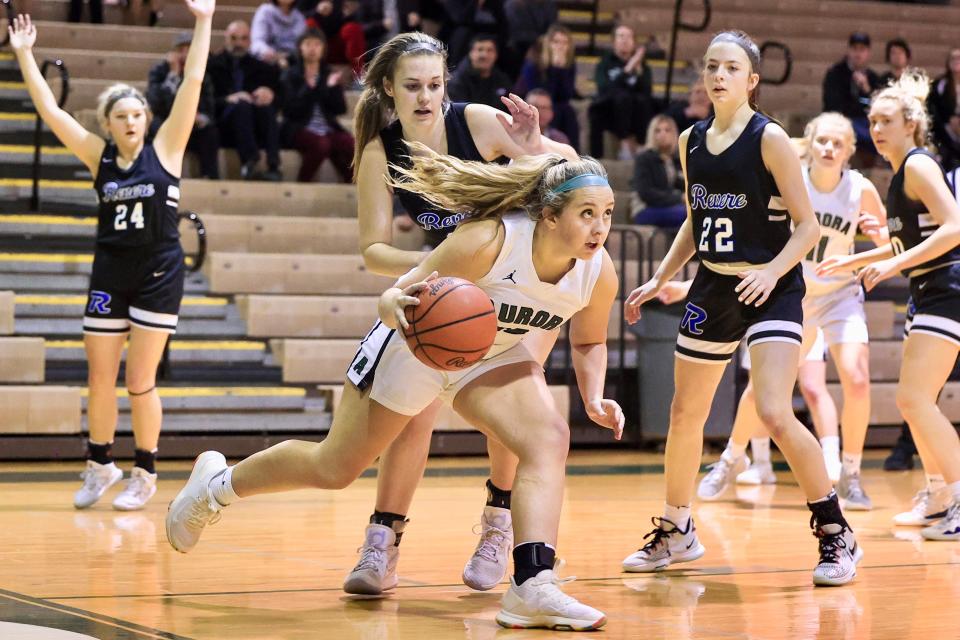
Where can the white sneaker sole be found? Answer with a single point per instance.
(716, 496)
(935, 533)
(855, 506)
(823, 581)
(119, 506)
(753, 480)
(360, 585)
(650, 567)
(556, 623)
(204, 460)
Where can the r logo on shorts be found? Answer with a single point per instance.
(99, 303)
(693, 317)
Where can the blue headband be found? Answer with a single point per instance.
(583, 180)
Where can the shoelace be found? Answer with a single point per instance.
(659, 534)
(491, 540)
(371, 558)
(854, 487)
(831, 544)
(921, 501)
(553, 595)
(718, 471)
(201, 514)
(136, 485)
(92, 480)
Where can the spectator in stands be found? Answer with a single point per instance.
(467, 18)
(478, 79)
(624, 100)
(162, 85)
(96, 11)
(540, 100)
(945, 112)
(898, 56)
(696, 107)
(245, 90)
(847, 88)
(658, 177)
(313, 98)
(346, 43)
(274, 32)
(555, 71)
(527, 21)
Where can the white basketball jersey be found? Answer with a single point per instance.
(523, 303)
(838, 213)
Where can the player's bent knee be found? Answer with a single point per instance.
(911, 404)
(548, 441)
(775, 416)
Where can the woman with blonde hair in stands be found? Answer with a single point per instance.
(138, 271)
(554, 247)
(833, 314)
(658, 177)
(404, 101)
(923, 219)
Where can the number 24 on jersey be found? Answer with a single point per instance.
(120, 222)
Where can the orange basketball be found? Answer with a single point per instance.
(454, 325)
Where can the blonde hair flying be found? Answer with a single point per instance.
(910, 92)
(482, 190)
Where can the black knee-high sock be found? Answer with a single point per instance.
(530, 558)
(100, 453)
(828, 511)
(146, 460)
(497, 497)
(395, 521)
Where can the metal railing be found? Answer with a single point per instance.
(38, 129)
(787, 62)
(201, 230)
(679, 25)
(594, 11)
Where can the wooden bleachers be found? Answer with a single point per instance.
(264, 199)
(39, 410)
(7, 306)
(231, 273)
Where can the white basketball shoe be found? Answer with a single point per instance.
(376, 571)
(488, 564)
(97, 478)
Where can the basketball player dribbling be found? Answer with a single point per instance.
(404, 101)
(744, 188)
(138, 266)
(554, 251)
(923, 218)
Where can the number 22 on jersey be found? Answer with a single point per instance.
(136, 217)
(722, 237)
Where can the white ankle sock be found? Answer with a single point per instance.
(935, 482)
(955, 490)
(831, 447)
(760, 448)
(677, 515)
(221, 487)
(851, 462)
(733, 451)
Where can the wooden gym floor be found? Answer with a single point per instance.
(272, 568)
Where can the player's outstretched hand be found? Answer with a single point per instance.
(23, 33)
(873, 274)
(523, 126)
(607, 413)
(834, 265)
(644, 293)
(870, 225)
(755, 286)
(673, 291)
(201, 8)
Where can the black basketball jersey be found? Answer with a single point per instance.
(138, 205)
(734, 201)
(909, 221)
(460, 144)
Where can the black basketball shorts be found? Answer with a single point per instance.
(141, 287)
(934, 306)
(715, 321)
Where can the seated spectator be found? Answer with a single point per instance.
(540, 100)
(245, 89)
(477, 79)
(468, 18)
(162, 84)
(847, 88)
(312, 100)
(624, 100)
(695, 108)
(945, 112)
(76, 11)
(556, 72)
(898, 56)
(274, 32)
(658, 178)
(527, 21)
(346, 43)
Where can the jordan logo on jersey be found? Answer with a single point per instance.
(431, 221)
(99, 302)
(513, 314)
(701, 199)
(693, 317)
(510, 277)
(112, 192)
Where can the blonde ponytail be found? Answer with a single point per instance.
(481, 190)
